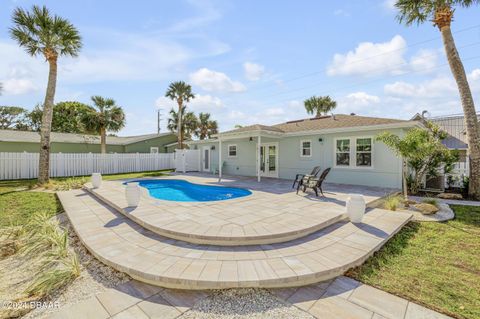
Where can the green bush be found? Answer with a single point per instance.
(392, 202)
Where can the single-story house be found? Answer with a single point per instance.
(346, 143)
(27, 141)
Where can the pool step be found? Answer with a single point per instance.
(126, 246)
(196, 222)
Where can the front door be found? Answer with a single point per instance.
(269, 159)
(206, 159)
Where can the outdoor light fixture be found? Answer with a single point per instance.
(320, 140)
(251, 138)
(213, 147)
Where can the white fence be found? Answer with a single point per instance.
(187, 160)
(25, 165)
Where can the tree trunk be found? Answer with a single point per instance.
(404, 181)
(179, 124)
(471, 120)
(103, 140)
(46, 126)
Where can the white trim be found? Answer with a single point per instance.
(353, 153)
(154, 148)
(301, 148)
(228, 151)
(205, 148)
(277, 148)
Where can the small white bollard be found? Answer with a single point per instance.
(132, 194)
(96, 180)
(356, 208)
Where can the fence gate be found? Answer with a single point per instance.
(187, 160)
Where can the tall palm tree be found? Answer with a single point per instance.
(41, 33)
(107, 117)
(180, 92)
(441, 13)
(206, 127)
(189, 123)
(319, 105)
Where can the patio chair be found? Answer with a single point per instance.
(315, 183)
(300, 177)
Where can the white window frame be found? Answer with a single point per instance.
(335, 152)
(154, 148)
(301, 148)
(353, 152)
(228, 150)
(371, 151)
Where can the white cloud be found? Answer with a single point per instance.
(424, 60)
(361, 99)
(201, 103)
(475, 74)
(341, 12)
(274, 111)
(18, 86)
(437, 87)
(370, 59)
(215, 81)
(253, 71)
(389, 4)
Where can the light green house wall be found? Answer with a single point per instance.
(144, 146)
(140, 147)
(385, 172)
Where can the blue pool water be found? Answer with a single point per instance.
(183, 191)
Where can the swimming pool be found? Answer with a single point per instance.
(183, 191)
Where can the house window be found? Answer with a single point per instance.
(306, 148)
(232, 150)
(153, 149)
(364, 152)
(342, 152)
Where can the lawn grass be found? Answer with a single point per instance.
(434, 264)
(19, 199)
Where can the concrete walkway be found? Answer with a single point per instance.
(336, 299)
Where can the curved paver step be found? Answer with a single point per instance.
(261, 218)
(146, 256)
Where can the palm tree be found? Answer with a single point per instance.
(189, 123)
(180, 92)
(107, 117)
(41, 33)
(319, 104)
(441, 13)
(206, 127)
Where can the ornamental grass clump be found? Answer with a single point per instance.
(44, 238)
(392, 202)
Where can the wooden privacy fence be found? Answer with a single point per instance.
(25, 165)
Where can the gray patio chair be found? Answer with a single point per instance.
(314, 183)
(300, 177)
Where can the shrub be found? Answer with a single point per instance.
(431, 201)
(392, 202)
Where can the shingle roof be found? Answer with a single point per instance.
(320, 123)
(34, 137)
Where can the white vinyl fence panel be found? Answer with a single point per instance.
(187, 160)
(25, 165)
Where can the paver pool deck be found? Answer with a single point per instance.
(273, 213)
(126, 245)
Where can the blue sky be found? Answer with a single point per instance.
(248, 61)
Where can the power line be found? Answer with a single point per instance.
(368, 82)
(368, 58)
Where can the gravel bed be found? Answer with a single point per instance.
(242, 304)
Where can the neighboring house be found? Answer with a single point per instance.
(26, 141)
(346, 143)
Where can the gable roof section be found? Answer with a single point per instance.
(337, 121)
(34, 137)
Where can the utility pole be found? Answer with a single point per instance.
(159, 119)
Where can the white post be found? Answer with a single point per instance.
(259, 147)
(219, 159)
(184, 160)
